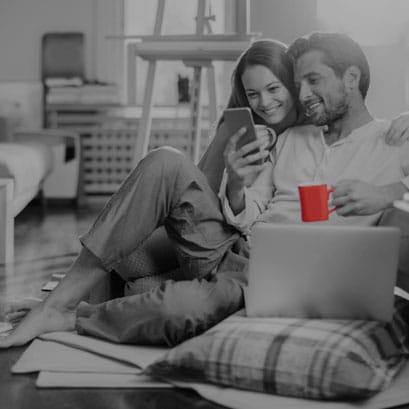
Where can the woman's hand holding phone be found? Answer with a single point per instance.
(240, 118)
(243, 165)
(245, 153)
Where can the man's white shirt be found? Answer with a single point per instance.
(302, 156)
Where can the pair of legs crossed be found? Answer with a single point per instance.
(164, 189)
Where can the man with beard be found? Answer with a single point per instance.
(332, 75)
(344, 147)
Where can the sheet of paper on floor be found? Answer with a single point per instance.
(48, 379)
(53, 356)
(140, 356)
(70, 367)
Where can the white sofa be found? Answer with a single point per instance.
(27, 159)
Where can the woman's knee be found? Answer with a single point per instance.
(164, 156)
(157, 164)
(169, 158)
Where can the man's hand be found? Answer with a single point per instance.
(398, 132)
(39, 321)
(358, 198)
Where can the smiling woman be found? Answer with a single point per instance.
(267, 95)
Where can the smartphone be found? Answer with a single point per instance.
(236, 118)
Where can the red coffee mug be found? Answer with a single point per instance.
(314, 202)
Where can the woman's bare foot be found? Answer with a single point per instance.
(40, 320)
(57, 312)
(14, 311)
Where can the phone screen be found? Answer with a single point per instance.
(236, 118)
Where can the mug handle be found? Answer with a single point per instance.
(334, 208)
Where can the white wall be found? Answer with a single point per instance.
(283, 20)
(287, 19)
(383, 36)
(387, 95)
(23, 22)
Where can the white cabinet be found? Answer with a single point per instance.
(62, 182)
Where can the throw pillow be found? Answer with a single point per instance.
(316, 358)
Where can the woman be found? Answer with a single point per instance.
(167, 189)
(260, 56)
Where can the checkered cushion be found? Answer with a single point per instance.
(295, 357)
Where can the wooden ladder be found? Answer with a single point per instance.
(159, 47)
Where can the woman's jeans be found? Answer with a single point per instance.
(165, 189)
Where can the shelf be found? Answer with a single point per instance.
(188, 37)
(80, 106)
(188, 50)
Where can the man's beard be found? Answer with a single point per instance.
(336, 111)
(327, 117)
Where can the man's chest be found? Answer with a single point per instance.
(313, 162)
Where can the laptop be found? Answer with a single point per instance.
(322, 271)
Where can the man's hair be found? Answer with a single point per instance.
(340, 53)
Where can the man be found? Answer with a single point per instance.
(332, 75)
(332, 90)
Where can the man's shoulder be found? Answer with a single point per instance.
(301, 135)
(371, 135)
(378, 125)
(302, 132)
(382, 122)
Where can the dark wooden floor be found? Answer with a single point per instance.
(46, 242)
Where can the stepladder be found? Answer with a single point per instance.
(197, 51)
(6, 221)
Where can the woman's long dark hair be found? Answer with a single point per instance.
(270, 54)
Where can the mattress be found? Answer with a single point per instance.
(28, 163)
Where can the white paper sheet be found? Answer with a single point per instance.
(140, 356)
(70, 367)
(48, 379)
(53, 356)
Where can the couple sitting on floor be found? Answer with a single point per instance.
(312, 95)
